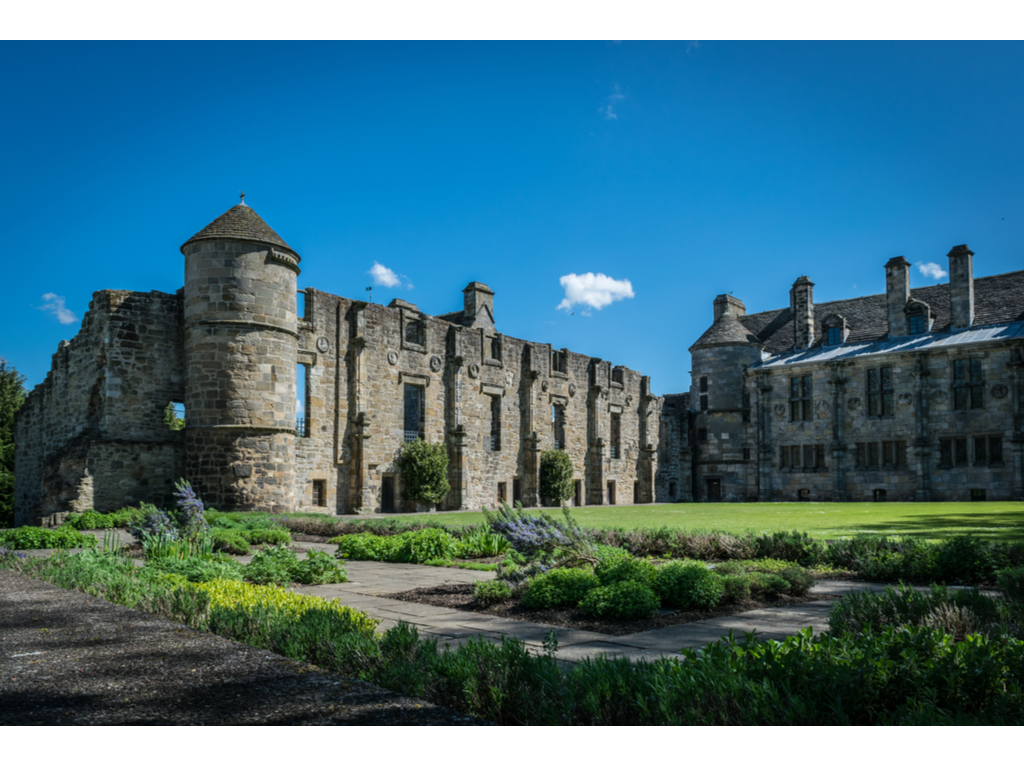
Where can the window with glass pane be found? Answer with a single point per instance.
(873, 392)
(808, 456)
(977, 384)
(820, 458)
(703, 383)
(946, 452)
(861, 455)
(888, 453)
(784, 457)
(495, 423)
(872, 454)
(960, 444)
(916, 323)
(800, 398)
(995, 450)
(880, 392)
(968, 384)
(835, 336)
(981, 450)
(703, 402)
(616, 431)
(414, 412)
(901, 453)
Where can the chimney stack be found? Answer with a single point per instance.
(897, 294)
(726, 304)
(801, 304)
(961, 287)
(478, 306)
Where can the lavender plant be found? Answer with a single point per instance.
(561, 542)
(189, 516)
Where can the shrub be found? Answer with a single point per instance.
(189, 513)
(616, 569)
(231, 542)
(800, 581)
(736, 588)
(424, 468)
(491, 592)
(558, 588)
(266, 536)
(623, 600)
(198, 569)
(481, 543)
(767, 584)
(965, 559)
(31, 537)
(428, 544)
(544, 536)
(606, 552)
(274, 565)
(689, 586)
(155, 524)
(93, 520)
(318, 568)
(1010, 582)
(555, 476)
(366, 546)
(795, 546)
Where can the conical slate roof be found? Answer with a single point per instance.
(239, 223)
(725, 330)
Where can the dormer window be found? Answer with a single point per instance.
(835, 336)
(919, 317)
(835, 330)
(916, 323)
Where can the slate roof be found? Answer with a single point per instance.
(725, 330)
(997, 299)
(240, 223)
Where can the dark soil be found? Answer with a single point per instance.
(460, 597)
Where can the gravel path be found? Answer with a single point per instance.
(67, 658)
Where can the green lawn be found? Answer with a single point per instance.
(991, 520)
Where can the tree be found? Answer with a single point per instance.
(174, 422)
(424, 468)
(555, 476)
(12, 395)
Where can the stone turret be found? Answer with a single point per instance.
(240, 360)
(801, 304)
(897, 294)
(478, 306)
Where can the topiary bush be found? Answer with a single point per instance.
(491, 592)
(616, 569)
(231, 542)
(555, 476)
(424, 468)
(623, 600)
(558, 588)
(31, 537)
(689, 586)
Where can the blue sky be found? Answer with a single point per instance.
(687, 169)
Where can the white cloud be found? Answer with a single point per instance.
(55, 305)
(300, 409)
(387, 277)
(608, 110)
(931, 269)
(595, 291)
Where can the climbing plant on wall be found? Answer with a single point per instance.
(12, 395)
(424, 468)
(555, 476)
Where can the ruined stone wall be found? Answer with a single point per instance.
(674, 481)
(923, 415)
(92, 434)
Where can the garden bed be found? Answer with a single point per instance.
(460, 597)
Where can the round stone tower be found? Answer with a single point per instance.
(241, 341)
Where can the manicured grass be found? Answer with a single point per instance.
(991, 520)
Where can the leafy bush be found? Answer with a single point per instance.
(1010, 582)
(318, 568)
(31, 537)
(155, 524)
(800, 581)
(366, 546)
(188, 516)
(231, 542)
(424, 468)
(606, 552)
(796, 546)
(767, 585)
(481, 543)
(491, 592)
(274, 565)
(93, 520)
(247, 521)
(736, 588)
(555, 476)
(558, 588)
(966, 559)
(409, 547)
(259, 536)
(689, 586)
(198, 569)
(623, 600)
(676, 543)
(616, 569)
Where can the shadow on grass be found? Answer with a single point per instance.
(991, 526)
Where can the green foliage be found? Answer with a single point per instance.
(737, 588)
(796, 546)
(622, 600)
(767, 585)
(668, 541)
(491, 592)
(555, 476)
(966, 560)
(31, 537)
(198, 569)
(91, 520)
(481, 543)
(318, 568)
(615, 569)
(605, 552)
(231, 542)
(424, 468)
(800, 581)
(274, 565)
(1010, 582)
(242, 521)
(12, 395)
(558, 588)
(172, 420)
(259, 536)
(689, 586)
(409, 547)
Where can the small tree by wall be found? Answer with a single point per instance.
(424, 468)
(555, 476)
(12, 395)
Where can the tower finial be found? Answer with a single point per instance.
(241, 198)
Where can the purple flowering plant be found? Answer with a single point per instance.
(189, 516)
(551, 542)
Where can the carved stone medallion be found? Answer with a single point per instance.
(853, 403)
(822, 406)
(629, 399)
(474, 370)
(572, 390)
(906, 398)
(999, 391)
(545, 386)
(780, 410)
(323, 344)
(392, 357)
(509, 378)
(939, 396)
(435, 363)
